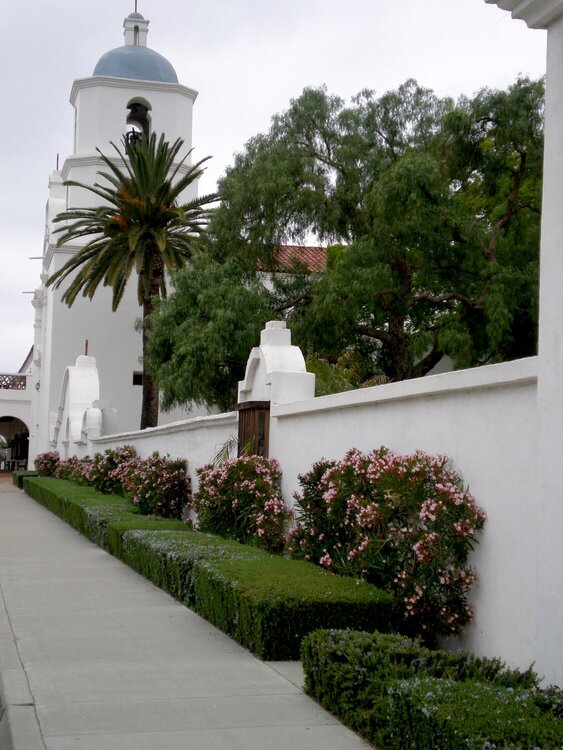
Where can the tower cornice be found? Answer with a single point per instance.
(129, 83)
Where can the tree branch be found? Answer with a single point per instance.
(288, 304)
(489, 250)
(375, 333)
(438, 299)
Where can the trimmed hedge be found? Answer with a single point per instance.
(18, 477)
(84, 508)
(270, 604)
(265, 602)
(446, 715)
(352, 673)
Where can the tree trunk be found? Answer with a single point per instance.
(149, 407)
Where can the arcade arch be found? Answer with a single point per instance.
(14, 443)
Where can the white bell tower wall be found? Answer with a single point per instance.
(102, 115)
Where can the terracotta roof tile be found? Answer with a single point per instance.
(314, 258)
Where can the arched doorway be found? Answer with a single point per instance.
(14, 443)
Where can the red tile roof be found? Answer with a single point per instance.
(313, 258)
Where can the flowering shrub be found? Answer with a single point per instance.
(46, 463)
(404, 523)
(241, 499)
(103, 471)
(73, 469)
(158, 485)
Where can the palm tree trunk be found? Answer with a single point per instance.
(149, 406)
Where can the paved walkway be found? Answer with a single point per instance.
(94, 657)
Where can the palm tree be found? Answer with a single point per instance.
(141, 227)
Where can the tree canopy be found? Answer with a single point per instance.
(430, 212)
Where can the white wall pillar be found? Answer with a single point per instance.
(548, 14)
(550, 376)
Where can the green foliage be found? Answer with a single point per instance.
(82, 507)
(265, 602)
(431, 211)
(269, 605)
(242, 499)
(18, 477)
(352, 673)
(202, 334)
(342, 375)
(447, 715)
(404, 523)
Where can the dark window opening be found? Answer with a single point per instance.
(137, 378)
(138, 121)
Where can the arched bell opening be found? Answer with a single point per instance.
(138, 120)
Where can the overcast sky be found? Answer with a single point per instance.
(246, 58)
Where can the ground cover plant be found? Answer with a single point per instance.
(447, 715)
(403, 522)
(372, 682)
(242, 499)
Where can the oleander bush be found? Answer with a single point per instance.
(73, 469)
(404, 523)
(241, 499)
(103, 472)
(352, 673)
(157, 485)
(47, 463)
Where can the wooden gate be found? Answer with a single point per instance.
(253, 428)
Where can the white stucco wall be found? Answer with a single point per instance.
(485, 421)
(197, 440)
(101, 110)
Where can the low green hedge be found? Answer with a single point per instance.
(270, 604)
(18, 477)
(87, 510)
(265, 602)
(444, 714)
(352, 673)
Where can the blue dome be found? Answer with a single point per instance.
(137, 62)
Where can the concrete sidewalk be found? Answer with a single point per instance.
(93, 656)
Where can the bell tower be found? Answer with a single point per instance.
(133, 90)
